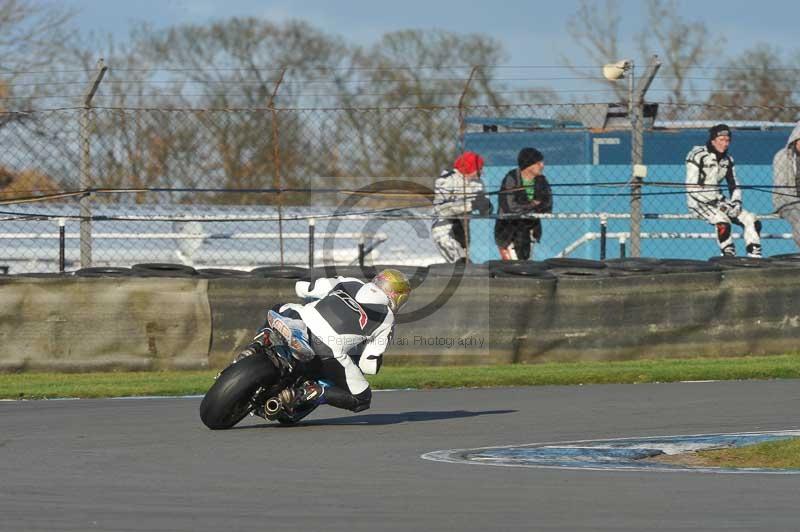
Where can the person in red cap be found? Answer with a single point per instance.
(458, 193)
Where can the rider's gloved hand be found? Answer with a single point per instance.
(735, 208)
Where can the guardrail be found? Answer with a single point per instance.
(192, 236)
(62, 236)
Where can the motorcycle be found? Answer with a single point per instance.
(251, 385)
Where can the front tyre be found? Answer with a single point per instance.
(229, 398)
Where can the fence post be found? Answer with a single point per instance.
(61, 244)
(311, 223)
(276, 153)
(86, 168)
(637, 151)
(462, 132)
(461, 123)
(603, 235)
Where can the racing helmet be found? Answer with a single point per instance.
(395, 285)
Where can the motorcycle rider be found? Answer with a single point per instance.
(346, 328)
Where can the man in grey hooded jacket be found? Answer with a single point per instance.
(786, 178)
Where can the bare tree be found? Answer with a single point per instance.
(32, 37)
(682, 45)
(238, 62)
(758, 85)
(596, 29)
(240, 75)
(130, 149)
(414, 80)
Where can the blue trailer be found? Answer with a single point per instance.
(588, 169)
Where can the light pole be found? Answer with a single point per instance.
(619, 70)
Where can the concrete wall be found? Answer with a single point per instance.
(73, 324)
(82, 324)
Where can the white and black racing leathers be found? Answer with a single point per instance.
(348, 321)
(706, 170)
(454, 197)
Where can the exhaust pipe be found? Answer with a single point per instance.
(272, 407)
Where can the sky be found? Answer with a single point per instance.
(532, 32)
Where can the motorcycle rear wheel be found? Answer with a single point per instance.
(229, 398)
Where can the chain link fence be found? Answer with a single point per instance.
(240, 188)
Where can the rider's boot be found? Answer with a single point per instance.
(754, 251)
(295, 336)
(307, 393)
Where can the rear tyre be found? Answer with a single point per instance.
(229, 398)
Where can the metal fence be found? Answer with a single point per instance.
(247, 187)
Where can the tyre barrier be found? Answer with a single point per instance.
(790, 257)
(519, 268)
(519, 312)
(577, 268)
(107, 271)
(416, 274)
(501, 264)
(280, 272)
(163, 269)
(578, 272)
(568, 262)
(741, 262)
(357, 272)
(43, 275)
(688, 266)
(634, 265)
(213, 273)
(495, 264)
(458, 269)
(530, 270)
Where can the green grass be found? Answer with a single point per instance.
(782, 454)
(53, 385)
(106, 384)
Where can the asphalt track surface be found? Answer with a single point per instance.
(150, 464)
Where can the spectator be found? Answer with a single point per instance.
(458, 193)
(786, 178)
(524, 190)
(706, 167)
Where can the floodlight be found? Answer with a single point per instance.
(615, 71)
